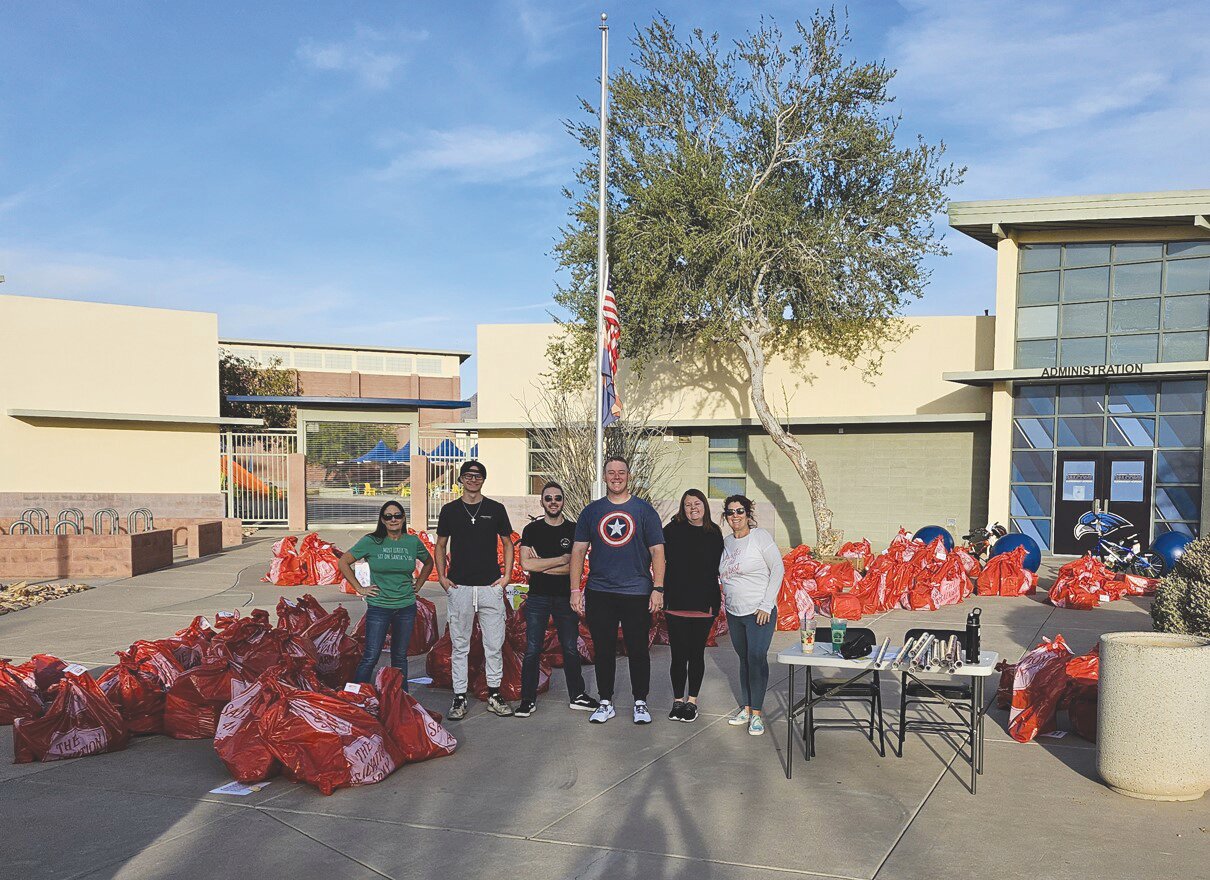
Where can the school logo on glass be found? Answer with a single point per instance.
(617, 529)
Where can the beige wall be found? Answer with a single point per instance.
(94, 357)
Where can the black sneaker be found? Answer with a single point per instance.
(584, 703)
(526, 709)
(688, 712)
(458, 710)
(674, 714)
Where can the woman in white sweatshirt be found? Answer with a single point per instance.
(750, 571)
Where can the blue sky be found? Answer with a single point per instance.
(389, 173)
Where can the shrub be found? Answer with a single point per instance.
(1182, 603)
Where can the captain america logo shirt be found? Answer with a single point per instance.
(616, 529)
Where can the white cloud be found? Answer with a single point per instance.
(542, 27)
(476, 153)
(371, 55)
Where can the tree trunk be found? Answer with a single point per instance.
(827, 539)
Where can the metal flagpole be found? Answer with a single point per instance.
(598, 480)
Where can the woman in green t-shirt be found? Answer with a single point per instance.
(391, 594)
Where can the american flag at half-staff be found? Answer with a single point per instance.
(611, 404)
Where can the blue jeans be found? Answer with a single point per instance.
(538, 610)
(751, 642)
(378, 620)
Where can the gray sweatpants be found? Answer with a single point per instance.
(463, 603)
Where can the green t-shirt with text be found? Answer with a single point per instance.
(392, 568)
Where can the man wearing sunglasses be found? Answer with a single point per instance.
(546, 555)
(470, 527)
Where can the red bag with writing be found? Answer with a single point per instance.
(18, 694)
(45, 671)
(416, 733)
(196, 700)
(1039, 683)
(338, 653)
(79, 722)
(238, 740)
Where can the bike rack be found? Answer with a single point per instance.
(37, 519)
(24, 527)
(143, 515)
(73, 515)
(106, 516)
(68, 523)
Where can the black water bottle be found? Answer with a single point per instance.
(972, 636)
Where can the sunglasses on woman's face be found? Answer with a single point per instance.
(738, 511)
(552, 497)
(391, 516)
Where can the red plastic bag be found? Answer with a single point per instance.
(1005, 575)
(189, 644)
(296, 615)
(1004, 690)
(138, 697)
(510, 682)
(1083, 684)
(251, 645)
(338, 653)
(79, 722)
(45, 671)
(325, 741)
(718, 629)
(846, 606)
(18, 694)
(860, 552)
(196, 700)
(1081, 584)
(424, 630)
(416, 733)
(238, 740)
(286, 567)
(1039, 683)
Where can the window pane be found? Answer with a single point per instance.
(722, 487)
(1134, 349)
(1085, 284)
(1082, 399)
(1137, 279)
(1085, 254)
(1034, 400)
(1181, 431)
(727, 462)
(1131, 431)
(1136, 314)
(1187, 313)
(1137, 251)
(1037, 354)
(1085, 320)
(1033, 467)
(725, 443)
(1077, 352)
(1031, 500)
(1038, 321)
(1033, 433)
(1176, 502)
(1172, 466)
(536, 482)
(1080, 432)
(1184, 347)
(1039, 256)
(1038, 529)
(1183, 396)
(1038, 288)
(1188, 249)
(1187, 276)
(1189, 529)
(1132, 397)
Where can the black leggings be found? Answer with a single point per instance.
(687, 637)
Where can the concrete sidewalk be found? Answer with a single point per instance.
(552, 797)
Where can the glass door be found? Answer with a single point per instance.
(1102, 495)
(1078, 478)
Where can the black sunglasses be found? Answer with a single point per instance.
(389, 516)
(735, 511)
(552, 497)
(472, 475)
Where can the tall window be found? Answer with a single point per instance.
(1136, 302)
(538, 459)
(727, 466)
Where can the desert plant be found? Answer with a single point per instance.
(1182, 603)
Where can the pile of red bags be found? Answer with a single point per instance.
(1006, 575)
(138, 686)
(311, 563)
(80, 721)
(1047, 679)
(797, 587)
(328, 739)
(860, 552)
(1087, 582)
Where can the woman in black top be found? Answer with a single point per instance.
(693, 546)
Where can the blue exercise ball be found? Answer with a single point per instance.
(928, 533)
(1170, 547)
(1013, 540)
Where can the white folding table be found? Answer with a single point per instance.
(822, 657)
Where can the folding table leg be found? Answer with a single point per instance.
(809, 720)
(790, 727)
(982, 713)
(974, 730)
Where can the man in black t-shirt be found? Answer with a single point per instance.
(470, 526)
(546, 555)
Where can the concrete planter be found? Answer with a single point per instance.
(1153, 740)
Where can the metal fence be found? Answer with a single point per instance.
(253, 474)
(446, 451)
(353, 468)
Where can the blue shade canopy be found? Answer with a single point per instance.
(447, 450)
(475, 451)
(380, 453)
(402, 455)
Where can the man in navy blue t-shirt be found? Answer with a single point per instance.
(625, 583)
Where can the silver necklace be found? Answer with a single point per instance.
(467, 508)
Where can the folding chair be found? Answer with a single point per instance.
(839, 690)
(958, 696)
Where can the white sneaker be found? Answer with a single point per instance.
(739, 718)
(641, 715)
(604, 713)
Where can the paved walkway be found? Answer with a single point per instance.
(552, 797)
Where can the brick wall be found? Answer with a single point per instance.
(195, 506)
(84, 556)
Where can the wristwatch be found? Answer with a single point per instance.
(658, 589)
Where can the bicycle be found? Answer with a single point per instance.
(1124, 555)
(981, 541)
